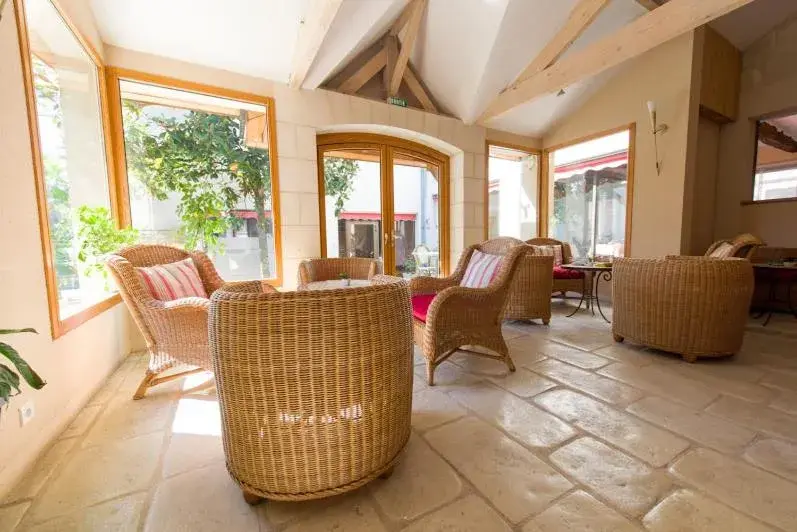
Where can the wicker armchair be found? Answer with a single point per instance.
(530, 292)
(459, 316)
(693, 306)
(742, 246)
(312, 270)
(315, 387)
(563, 280)
(176, 332)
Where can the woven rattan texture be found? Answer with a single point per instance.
(315, 387)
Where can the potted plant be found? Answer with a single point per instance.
(343, 276)
(9, 378)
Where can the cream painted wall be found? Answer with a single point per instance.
(76, 364)
(664, 76)
(301, 115)
(769, 85)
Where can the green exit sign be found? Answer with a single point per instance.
(394, 100)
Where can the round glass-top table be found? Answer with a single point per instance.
(590, 297)
(335, 284)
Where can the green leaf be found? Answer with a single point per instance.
(5, 391)
(30, 376)
(9, 377)
(15, 331)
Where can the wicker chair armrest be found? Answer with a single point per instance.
(460, 307)
(207, 271)
(431, 285)
(185, 318)
(258, 287)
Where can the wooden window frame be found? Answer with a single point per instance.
(545, 179)
(115, 75)
(756, 122)
(517, 147)
(387, 146)
(58, 326)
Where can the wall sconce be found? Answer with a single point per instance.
(656, 129)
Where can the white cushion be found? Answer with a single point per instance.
(481, 270)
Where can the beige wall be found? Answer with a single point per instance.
(76, 364)
(301, 115)
(664, 76)
(769, 85)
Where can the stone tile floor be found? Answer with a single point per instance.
(586, 435)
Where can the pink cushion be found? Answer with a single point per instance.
(482, 269)
(564, 273)
(420, 305)
(167, 282)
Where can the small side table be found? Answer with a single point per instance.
(776, 275)
(590, 297)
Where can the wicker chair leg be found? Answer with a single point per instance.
(546, 321)
(146, 382)
(509, 363)
(252, 499)
(617, 338)
(430, 373)
(690, 358)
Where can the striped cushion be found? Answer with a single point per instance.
(550, 251)
(723, 251)
(482, 268)
(167, 282)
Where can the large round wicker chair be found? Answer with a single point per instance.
(315, 387)
(693, 306)
(530, 290)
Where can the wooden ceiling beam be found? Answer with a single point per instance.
(419, 90)
(369, 69)
(645, 33)
(417, 8)
(580, 18)
(314, 27)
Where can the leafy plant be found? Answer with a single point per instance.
(343, 276)
(9, 379)
(98, 236)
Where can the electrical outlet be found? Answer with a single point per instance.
(26, 413)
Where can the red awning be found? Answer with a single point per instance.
(402, 216)
(607, 161)
(248, 214)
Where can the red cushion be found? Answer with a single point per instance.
(564, 273)
(420, 305)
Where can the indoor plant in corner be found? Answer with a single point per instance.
(9, 379)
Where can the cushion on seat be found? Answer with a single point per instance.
(564, 273)
(482, 269)
(554, 251)
(723, 251)
(167, 282)
(420, 305)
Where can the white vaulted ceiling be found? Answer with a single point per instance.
(467, 51)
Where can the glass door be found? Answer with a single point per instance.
(415, 236)
(386, 199)
(352, 203)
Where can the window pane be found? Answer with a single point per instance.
(513, 180)
(416, 220)
(65, 81)
(352, 192)
(588, 196)
(776, 159)
(199, 176)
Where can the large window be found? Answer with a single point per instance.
(384, 198)
(512, 190)
(63, 80)
(776, 159)
(589, 194)
(200, 172)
